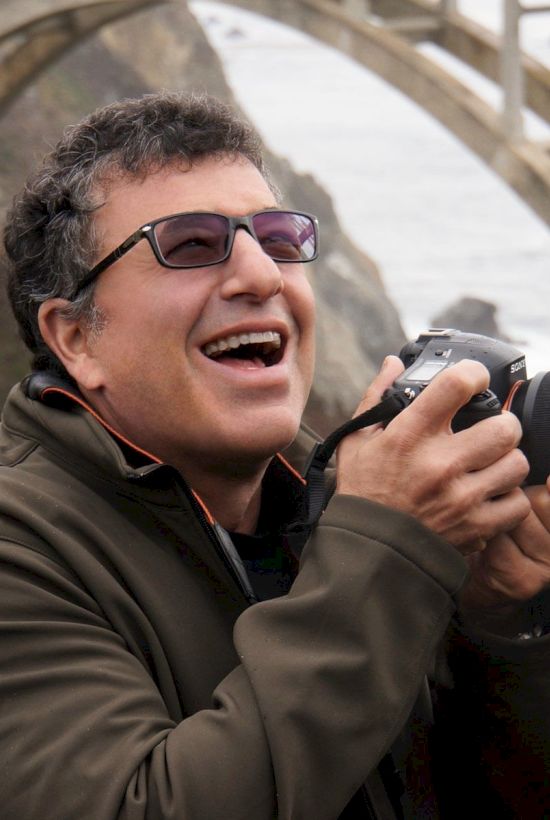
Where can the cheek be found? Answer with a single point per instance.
(147, 321)
(132, 348)
(303, 308)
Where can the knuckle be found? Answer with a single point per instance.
(468, 373)
(522, 504)
(444, 471)
(456, 380)
(401, 439)
(506, 431)
(460, 503)
(520, 466)
(513, 508)
(464, 504)
(514, 423)
(525, 589)
(467, 503)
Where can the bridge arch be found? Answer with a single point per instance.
(383, 41)
(31, 42)
(387, 48)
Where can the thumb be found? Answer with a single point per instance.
(392, 367)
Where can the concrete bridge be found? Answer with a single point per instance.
(35, 34)
(382, 35)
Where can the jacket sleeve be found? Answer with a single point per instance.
(327, 677)
(494, 724)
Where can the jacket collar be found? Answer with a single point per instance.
(53, 391)
(48, 410)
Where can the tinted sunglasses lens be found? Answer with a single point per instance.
(286, 236)
(192, 240)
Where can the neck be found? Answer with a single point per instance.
(233, 497)
(233, 500)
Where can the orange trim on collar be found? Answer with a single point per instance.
(289, 467)
(204, 508)
(98, 418)
(211, 520)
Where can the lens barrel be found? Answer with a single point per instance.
(531, 404)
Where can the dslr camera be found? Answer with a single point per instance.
(509, 388)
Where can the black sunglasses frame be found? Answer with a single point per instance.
(147, 231)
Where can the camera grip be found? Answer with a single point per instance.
(480, 406)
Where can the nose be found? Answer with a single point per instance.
(249, 271)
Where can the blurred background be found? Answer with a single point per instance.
(415, 129)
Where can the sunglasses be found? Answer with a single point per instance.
(197, 240)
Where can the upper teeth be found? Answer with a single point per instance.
(270, 337)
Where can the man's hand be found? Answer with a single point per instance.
(464, 486)
(515, 566)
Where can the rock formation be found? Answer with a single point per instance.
(471, 315)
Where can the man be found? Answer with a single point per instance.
(163, 654)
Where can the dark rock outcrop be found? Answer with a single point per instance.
(471, 315)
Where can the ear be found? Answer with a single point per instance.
(70, 340)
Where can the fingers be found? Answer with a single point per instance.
(486, 442)
(474, 546)
(436, 406)
(473, 525)
(504, 513)
(532, 537)
(539, 496)
(392, 367)
(492, 503)
(462, 485)
(514, 567)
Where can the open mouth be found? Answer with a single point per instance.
(258, 349)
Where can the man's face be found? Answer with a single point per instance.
(159, 377)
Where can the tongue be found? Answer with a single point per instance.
(241, 364)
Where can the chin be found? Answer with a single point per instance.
(265, 437)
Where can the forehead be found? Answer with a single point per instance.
(234, 187)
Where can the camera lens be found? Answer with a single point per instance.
(531, 404)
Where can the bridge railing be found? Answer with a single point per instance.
(425, 15)
(512, 74)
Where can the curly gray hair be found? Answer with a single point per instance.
(49, 234)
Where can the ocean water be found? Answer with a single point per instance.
(438, 222)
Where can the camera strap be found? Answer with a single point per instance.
(321, 454)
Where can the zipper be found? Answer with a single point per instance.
(230, 553)
(223, 545)
(370, 814)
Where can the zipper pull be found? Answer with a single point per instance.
(230, 552)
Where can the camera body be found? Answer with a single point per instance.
(439, 348)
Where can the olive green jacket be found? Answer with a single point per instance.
(137, 681)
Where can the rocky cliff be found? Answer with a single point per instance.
(166, 48)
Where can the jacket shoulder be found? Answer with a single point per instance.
(298, 452)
